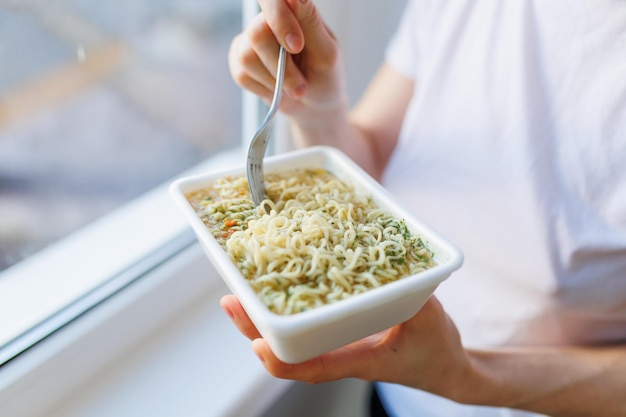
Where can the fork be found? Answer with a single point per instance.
(257, 148)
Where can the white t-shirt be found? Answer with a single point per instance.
(514, 148)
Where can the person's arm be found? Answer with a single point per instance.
(426, 353)
(369, 133)
(558, 381)
(315, 97)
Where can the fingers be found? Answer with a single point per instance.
(314, 53)
(253, 61)
(263, 44)
(298, 26)
(284, 23)
(340, 363)
(369, 359)
(328, 367)
(232, 307)
(319, 40)
(356, 360)
(247, 69)
(424, 343)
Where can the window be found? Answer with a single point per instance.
(101, 102)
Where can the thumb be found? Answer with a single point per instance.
(319, 40)
(296, 22)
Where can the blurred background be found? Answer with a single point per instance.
(102, 101)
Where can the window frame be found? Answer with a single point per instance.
(34, 305)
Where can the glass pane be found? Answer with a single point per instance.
(101, 101)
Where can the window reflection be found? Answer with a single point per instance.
(101, 101)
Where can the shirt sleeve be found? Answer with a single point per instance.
(402, 50)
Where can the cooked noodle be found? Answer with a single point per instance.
(314, 241)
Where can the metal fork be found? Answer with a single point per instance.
(256, 152)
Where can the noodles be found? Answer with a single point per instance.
(313, 242)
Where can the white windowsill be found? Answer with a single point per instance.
(161, 347)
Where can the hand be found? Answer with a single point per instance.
(313, 79)
(424, 352)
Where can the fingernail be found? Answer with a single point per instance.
(228, 312)
(292, 42)
(261, 358)
(296, 92)
(300, 90)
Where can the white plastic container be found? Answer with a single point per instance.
(296, 338)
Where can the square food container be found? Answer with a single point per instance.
(302, 336)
